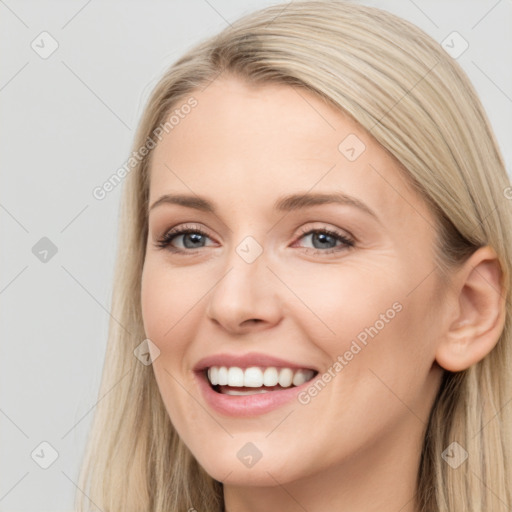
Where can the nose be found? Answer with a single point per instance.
(246, 298)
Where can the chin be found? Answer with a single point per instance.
(232, 469)
(246, 477)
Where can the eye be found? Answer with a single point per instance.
(326, 241)
(191, 237)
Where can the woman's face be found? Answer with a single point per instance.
(308, 251)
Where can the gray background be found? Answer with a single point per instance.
(67, 125)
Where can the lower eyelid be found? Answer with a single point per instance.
(173, 236)
(342, 247)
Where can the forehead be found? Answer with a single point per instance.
(247, 145)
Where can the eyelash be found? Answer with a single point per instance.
(165, 241)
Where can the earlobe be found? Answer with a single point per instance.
(479, 318)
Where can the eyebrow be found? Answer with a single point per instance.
(284, 204)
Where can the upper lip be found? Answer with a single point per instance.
(246, 361)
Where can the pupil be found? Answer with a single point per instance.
(196, 237)
(322, 237)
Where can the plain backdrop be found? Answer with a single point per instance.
(68, 120)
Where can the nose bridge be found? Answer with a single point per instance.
(245, 291)
(247, 257)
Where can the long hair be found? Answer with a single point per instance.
(416, 101)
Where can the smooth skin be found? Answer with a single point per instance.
(356, 446)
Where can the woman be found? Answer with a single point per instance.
(315, 256)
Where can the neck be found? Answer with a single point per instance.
(380, 477)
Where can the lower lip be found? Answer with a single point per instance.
(246, 405)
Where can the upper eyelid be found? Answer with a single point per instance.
(327, 227)
(180, 230)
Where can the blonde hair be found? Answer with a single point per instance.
(416, 101)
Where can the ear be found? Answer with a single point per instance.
(477, 321)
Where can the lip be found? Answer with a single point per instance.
(247, 360)
(248, 405)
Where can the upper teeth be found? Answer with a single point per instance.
(255, 377)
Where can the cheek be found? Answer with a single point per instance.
(156, 302)
(171, 294)
(366, 318)
(167, 300)
(339, 304)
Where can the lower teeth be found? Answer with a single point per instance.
(245, 392)
(227, 390)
